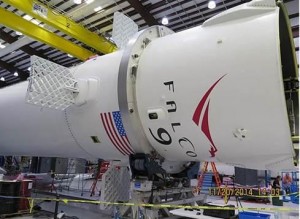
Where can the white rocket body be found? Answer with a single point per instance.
(210, 93)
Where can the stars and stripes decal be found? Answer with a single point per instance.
(205, 120)
(115, 131)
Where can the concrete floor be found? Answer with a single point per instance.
(96, 214)
(294, 214)
(90, 211)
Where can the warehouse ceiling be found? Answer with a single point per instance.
(93, 18)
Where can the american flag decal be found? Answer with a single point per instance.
(115, 131)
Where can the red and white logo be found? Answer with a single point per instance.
(205, 119)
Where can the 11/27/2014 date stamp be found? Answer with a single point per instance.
(243, 191)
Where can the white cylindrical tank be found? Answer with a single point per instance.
(210, 93)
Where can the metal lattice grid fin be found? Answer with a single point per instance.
(123, 29)
(50, 85)
(115, 185)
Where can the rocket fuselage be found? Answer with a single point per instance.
(213, 92)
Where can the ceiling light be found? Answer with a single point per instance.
(89, 1)
(29, 68)
(2, 79)
(69, 55)
(19, 33)
(27, 17)
(77, 2)
(211, 4)
(2, 46)
(164, 21)
(16, 74)
(98, 8)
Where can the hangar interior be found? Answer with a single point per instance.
(95, 99)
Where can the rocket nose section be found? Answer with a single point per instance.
(244, 11)
(225, 98)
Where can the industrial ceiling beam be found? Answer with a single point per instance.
(137, 5)
(206, 14)
(148, 7)
(63, 23)
(17, 23)
(27, 49)
(295, 31)
(23, 75)
(110, 22)
(7, 66)
(15, 46)
(104, 9)
(186, 16)
(296, 15)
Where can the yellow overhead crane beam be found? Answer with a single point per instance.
(17, 23)
(63, 23)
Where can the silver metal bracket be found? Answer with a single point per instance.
(128, 71)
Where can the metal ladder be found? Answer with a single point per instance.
(201, 177)
(102, 168)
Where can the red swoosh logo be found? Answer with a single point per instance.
(205, 119)
(205, 130)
